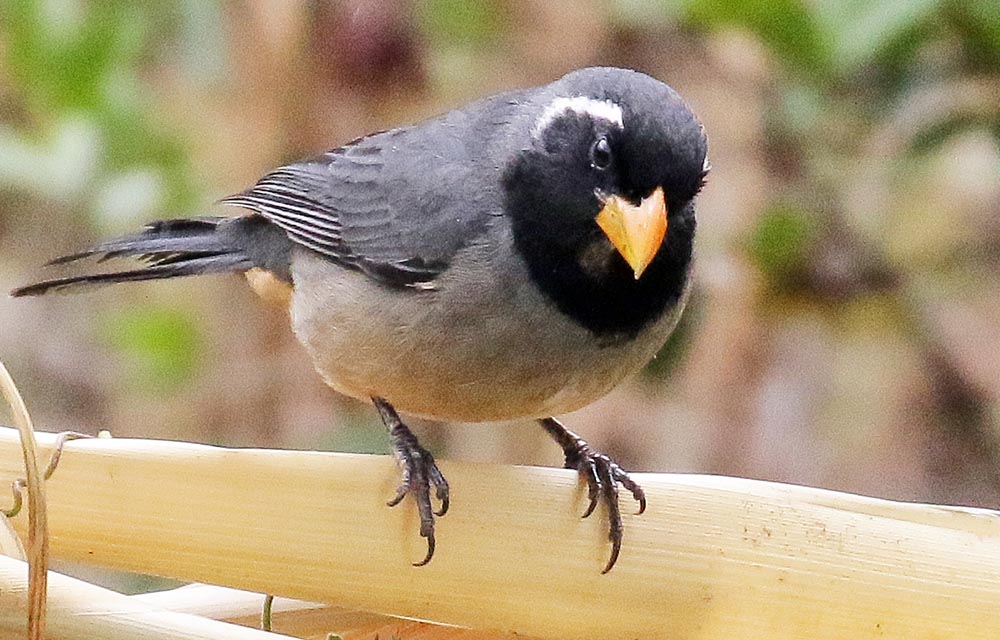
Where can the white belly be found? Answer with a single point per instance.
(490, 349)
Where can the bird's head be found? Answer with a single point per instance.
(612, 151)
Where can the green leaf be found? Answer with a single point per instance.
(72, 60)
(160, 344)
(459, 22)
(781, 241)
(787, 27)
(862, 31)
(980, 24)
(642, 14)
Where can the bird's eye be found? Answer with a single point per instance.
(600, 154)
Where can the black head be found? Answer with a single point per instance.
(597, 133)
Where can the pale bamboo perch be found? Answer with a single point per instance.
(82, 611)
(303, 619)
(712, 557)
(79, 610)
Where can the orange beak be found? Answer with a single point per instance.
(636, 231)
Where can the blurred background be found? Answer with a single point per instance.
(844, 330)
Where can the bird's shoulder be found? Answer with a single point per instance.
(397, 204)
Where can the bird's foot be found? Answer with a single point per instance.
(420, 474)
(603, 475)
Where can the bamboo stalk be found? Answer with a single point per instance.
(37, 517)
(10, 544)
(712, 557)
(81, 611)
(304, 619)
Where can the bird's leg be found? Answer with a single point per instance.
(603, 475)
(420, 473)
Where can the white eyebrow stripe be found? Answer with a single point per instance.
(603, 109)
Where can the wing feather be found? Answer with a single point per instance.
(396, 205)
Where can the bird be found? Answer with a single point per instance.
(513, 259)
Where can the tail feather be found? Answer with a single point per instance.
(159, 237)
(190, 267)
(174, 248)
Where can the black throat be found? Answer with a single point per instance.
(608, 300)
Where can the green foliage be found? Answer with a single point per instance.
(788, 27)
(81, 62)
(938, 132)
(979, 22)
(781, 241)
(161, 346)
(458, 22)
(829, 41)
(861, 32)
(61, 55)
(855, 74)
(86, 133)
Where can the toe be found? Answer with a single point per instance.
(430, 551)
(616, 548)
(588, 470)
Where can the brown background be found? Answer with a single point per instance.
(845, 326)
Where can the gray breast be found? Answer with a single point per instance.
(483, 345)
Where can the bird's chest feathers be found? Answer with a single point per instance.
(486, 345)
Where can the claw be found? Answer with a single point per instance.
(430, 551)
(419, 472)
(441, 490)
(401, 492)
(616, 548)
(606, 472)
(602, 475)
(594, 485)
(445, 502)
(637, 493)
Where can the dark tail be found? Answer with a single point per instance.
(174, 248)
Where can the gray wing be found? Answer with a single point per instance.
(397, 205)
